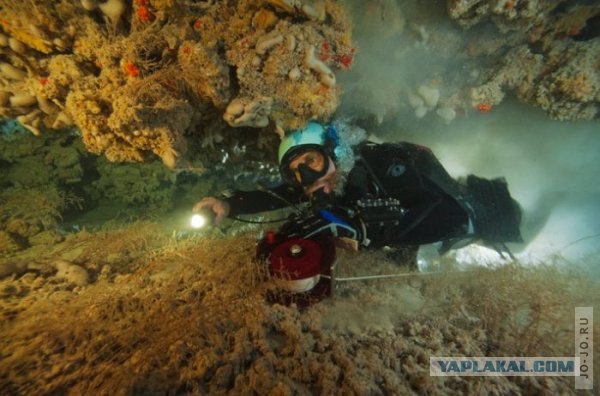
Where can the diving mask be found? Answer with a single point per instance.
(305, 168)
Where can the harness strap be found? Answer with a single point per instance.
(373, 176)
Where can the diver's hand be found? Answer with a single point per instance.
(219, 207)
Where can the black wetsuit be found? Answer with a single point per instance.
(435, 207)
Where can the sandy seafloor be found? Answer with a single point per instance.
(169, 316)
(127, 306)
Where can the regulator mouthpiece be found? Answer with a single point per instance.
(321, 199)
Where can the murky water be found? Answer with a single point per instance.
(551, 166)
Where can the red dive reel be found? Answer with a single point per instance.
(301, 268)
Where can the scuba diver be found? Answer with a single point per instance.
(394, 194)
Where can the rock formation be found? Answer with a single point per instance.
(147, 77)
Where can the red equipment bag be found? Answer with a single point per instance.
(301, 268)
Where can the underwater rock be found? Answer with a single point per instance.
(148, 188)
(549, 53)
(48, 237)
(446, 113)
(214, 81)
(420, 111)
(430, 95)
(109, 68)
(21, 228)
(244, 112)
(7, 245)
(507, 15)
(300, 7)
(563, 81)
(72, 273)
(427, 99)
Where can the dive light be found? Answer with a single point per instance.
(202, 218)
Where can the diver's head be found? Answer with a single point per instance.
(306, 158)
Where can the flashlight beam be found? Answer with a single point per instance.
(198, 221)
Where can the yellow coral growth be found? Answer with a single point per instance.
(31, 40)
(578, 87)
(136, 85)
(264, 19)
(26, 22)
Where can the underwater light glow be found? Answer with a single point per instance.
(198, 221)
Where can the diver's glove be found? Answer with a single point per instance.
(325, 222)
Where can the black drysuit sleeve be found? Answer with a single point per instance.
(249, 202)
